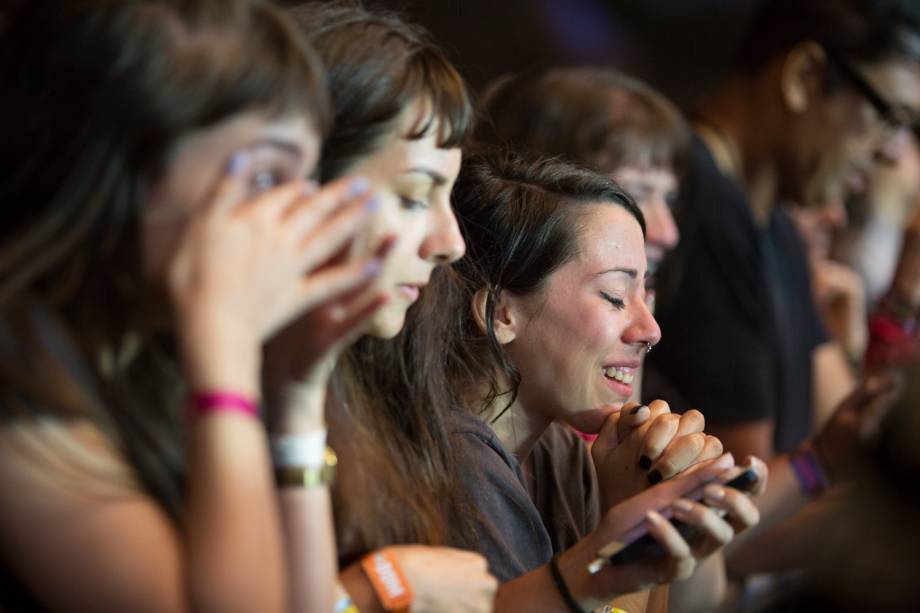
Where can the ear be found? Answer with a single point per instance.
(505, 319)
(802, 76)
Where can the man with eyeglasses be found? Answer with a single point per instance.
(821, 89)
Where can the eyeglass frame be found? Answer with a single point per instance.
(895, 116)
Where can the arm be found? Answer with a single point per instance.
(833, 380)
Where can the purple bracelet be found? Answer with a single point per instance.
(808, 471)
(206, 403)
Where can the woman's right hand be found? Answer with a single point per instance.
(246, 267)
(446, 580)
(626, 521)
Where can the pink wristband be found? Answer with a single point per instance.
(205, 403)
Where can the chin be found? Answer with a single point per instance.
(388, 322)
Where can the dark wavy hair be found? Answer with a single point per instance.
(96, 96)
(520, 218)
(384, 420)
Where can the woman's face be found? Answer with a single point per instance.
(413, 179)
(653, 188)
(579, 341)
(281, 149)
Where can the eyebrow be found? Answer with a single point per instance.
(631, 272)
(434, 175)
(277, 143)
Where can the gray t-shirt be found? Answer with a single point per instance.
(516, 529)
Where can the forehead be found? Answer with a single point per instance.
(397, 153)
(651, 175)
(610, 237)
(898, 79)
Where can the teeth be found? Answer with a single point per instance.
(618, 374)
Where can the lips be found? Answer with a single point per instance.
(409, 291)
(620, 377)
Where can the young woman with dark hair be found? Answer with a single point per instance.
(401, 114)
(546, 313)
(157, 231)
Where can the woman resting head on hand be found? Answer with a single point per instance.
(158, 230)
(402, 113)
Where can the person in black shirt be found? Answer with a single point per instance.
(799, 118)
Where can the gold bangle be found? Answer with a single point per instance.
(308, 476)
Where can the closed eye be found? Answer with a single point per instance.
(412, 204)
(616, 302)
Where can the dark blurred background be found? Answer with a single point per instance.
(679, 46)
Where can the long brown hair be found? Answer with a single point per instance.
(96, 95)
(395, 470)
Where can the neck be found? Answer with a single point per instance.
(735, 133)
(517, 428)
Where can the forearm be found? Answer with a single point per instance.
(233, 535)
(704, 590)
(782, 498)
(306, 512)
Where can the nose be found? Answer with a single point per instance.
(660, 227)
(444, 243)
(643, 330)
(892, 146)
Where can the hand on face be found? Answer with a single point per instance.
(245, 268)
(640, 445)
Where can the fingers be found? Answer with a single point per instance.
(632, 416)
(679, 455)
(714, 532)
(333, 233)
(680, 563)
(625, 516)
(608, 435)
(349, 194)
(657, 437)
(230, 190)
(690, 422)
(759, 467)
(740, 512)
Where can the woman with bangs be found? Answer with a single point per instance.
(158, 231)
(402, 113)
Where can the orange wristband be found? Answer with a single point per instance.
(389, 583)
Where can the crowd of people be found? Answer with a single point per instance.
(290, 320)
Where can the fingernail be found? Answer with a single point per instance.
(372, 267)
(654, 517)
(372, 204)
(337, 313)
(654, 477)
(238, 162)
(358, 186)
(645, 462)
(636, 410)
(714, 492)
(684, 506)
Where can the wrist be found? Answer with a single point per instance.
(297, 408)
(219, 355)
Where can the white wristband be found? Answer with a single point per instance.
(295, 450)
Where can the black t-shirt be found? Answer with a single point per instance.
(736, 312)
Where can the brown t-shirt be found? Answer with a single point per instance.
(516, 529)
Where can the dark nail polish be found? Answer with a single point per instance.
(637, 409)
(654, 477)
(644, 462)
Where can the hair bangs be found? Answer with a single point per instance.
(448, 109)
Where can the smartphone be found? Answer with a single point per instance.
(646, 549)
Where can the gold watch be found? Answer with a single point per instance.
(308, 476)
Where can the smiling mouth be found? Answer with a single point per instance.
(620, 375)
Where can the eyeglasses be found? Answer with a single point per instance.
(894, 116)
